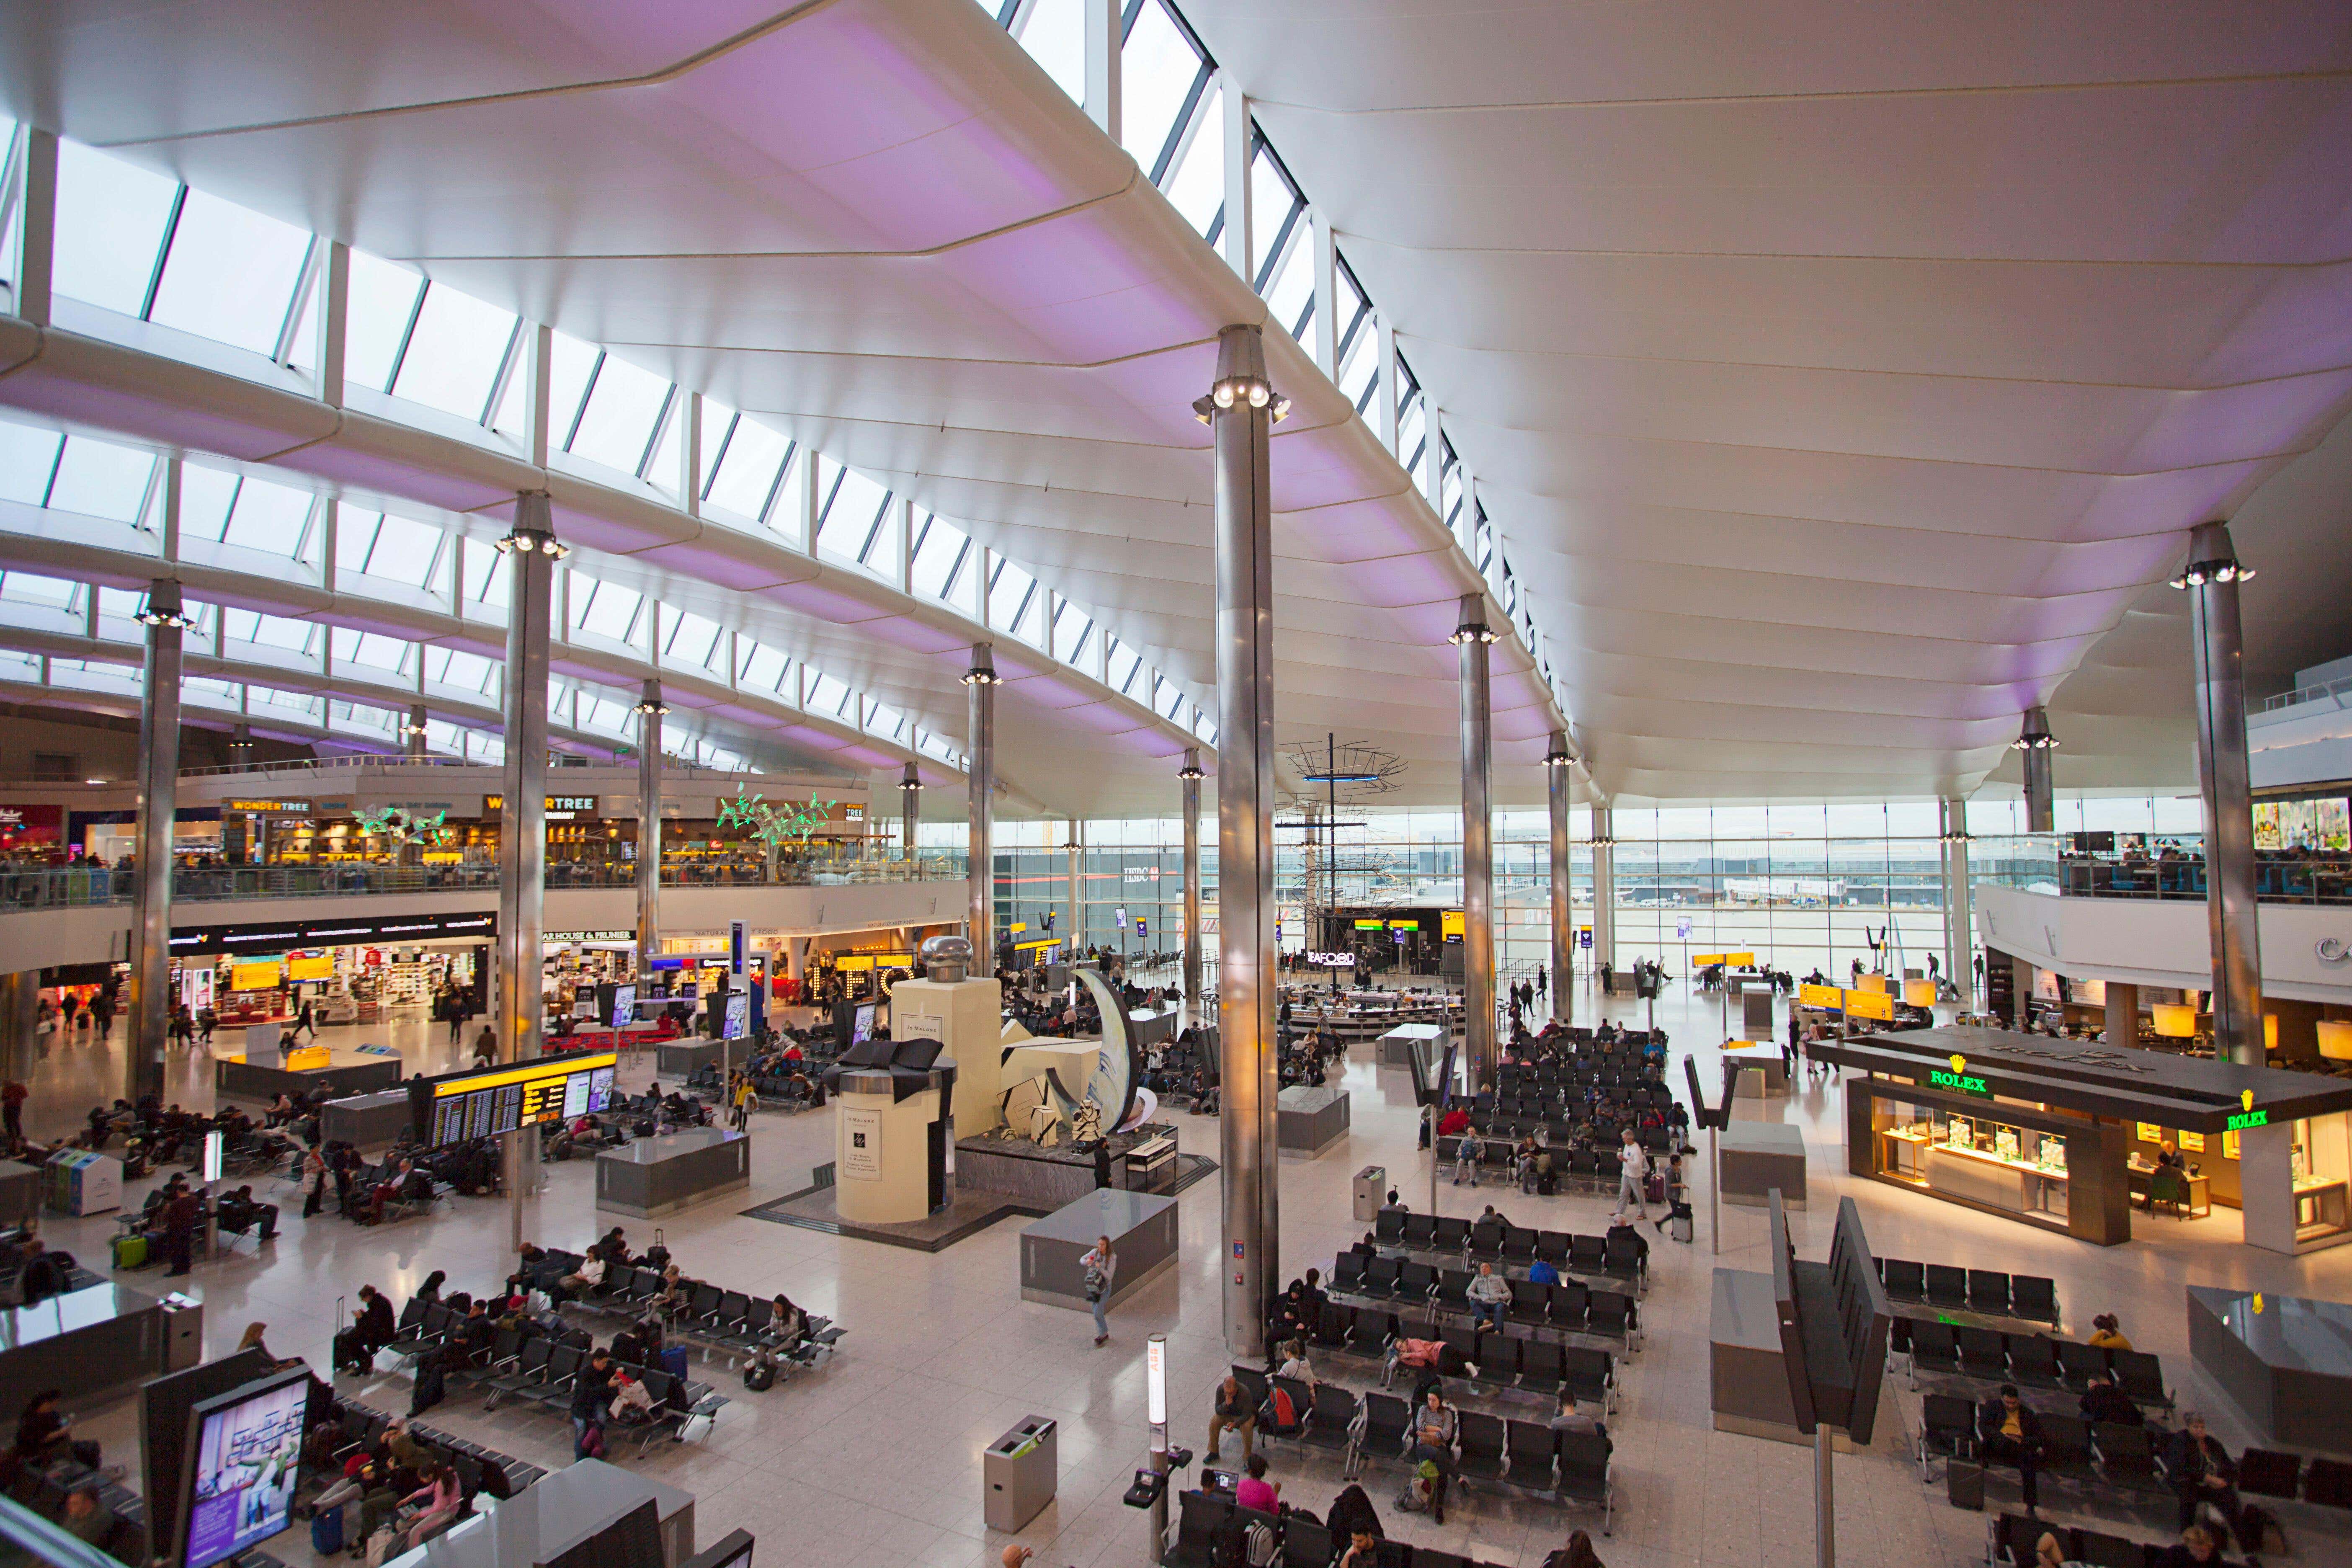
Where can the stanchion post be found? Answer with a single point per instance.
(1824, 1508)
(1155, 1375)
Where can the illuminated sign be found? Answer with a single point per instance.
(1960, 1083)
(254, 976)
(1819, 997)
(1379, 925)
(486, 1103)
(1332, 960)
(319, 968)
(575, 938)
(2239, 1120)
(268, 807)
(1399, 925)
(566, 805)
(1875, 1005)
(1449, 924)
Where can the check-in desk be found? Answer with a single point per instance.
(653, 1177)
(1309, 1121)
(365, 1120)
(91, 1341)
(1754, 1158)
(259, 1081)
(1142, 1231)
(569, 1507)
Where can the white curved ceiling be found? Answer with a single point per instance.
(1842, 377)
(875, 223)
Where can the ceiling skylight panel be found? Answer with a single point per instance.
(1055, 33)
(939, 545)
(27, 458)
(1161, 74)
(383, 307)
(692, 640)
(1275, 211)
(111, 220)
(404, 550)
(762, 669)
(370, 651)
(205, 495)
(606, 609)
(1124, 662)
(850, 515)
(486, 579)
(827, 695)
(51, 593)
(1290, 299)
(98, 479)
(750, 469)
(1072, 629)
(267, 517)
(229, 274)
(618, 424)
(1195, 179)
(455, 353)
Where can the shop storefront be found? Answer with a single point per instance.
(2067, 1136)
(351, 971)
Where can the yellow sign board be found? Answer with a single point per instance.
(1728, 959)
(309, 1058)
(1020, 926)
(2148, 1131)
(1872, 982)
(1828, 996)
(254, 976)
(319, 968)
(1404, 925)
(1919, 993)
(1702, 959)
(1870, 1004)
(1449, 924)
(853, 961)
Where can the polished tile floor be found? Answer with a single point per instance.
(877, 1459)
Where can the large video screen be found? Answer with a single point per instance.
(491, 1100)
(247, 1463)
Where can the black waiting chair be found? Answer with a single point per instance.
(2067, 1449)
(2127, 1456)
(2097, 1550)
(2034, 1298)
(1905, 1280)
(1201, 1517)
(1533, 1450)
(1421, 1230)
(1988, 1292)
(1330, 1420)
(1585, 1474)
(2079, 1363)
(2328, 1483)
(1381, 1427)
(1947, 1286)
(1934, 1347)
(1479, 1446)
(1982, 1352)
(2033, 1362)
(1304, 1544)
(2141, 1375)
(1948, 1430)
(2264, 1473)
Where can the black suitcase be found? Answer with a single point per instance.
(1964, 1485)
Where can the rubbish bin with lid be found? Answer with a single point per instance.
(1372, 1190)
(1018, 1474)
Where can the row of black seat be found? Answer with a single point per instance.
(1499, 1241)
(2010, 1540)
(2030, 1361)
(2119, 1456)
(1568, 1307)
(1986, 1290)
(478, 1469)
(719, 1321)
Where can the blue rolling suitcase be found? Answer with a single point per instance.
(326, 1531)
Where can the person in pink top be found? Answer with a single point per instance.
(1253, 1491)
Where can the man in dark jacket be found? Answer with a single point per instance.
(2009, 1432)
(2202, 1471)
(179, 1217)
(375, 1326)
(592, 1398)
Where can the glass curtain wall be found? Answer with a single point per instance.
(1802, 885)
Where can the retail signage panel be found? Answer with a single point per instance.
(268, 807)
(254, 976)
(1828, 996)
(568, 805)
(319, 968)
(575, 938)
(1449, 924)
(1959, 1083)
(2242, 1120)
(22, 825)
(278, 936)
(1875, 1005)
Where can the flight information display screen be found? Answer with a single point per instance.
(491, 1100)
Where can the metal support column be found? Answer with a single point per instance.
(532, 553)
(1824, 1502)
(979, 758)
(1240, 409)
(1075, 931)
(1560, 764)
(650, 709)
(20, 1011)
(159, 790)
(2035, 741)
(2211, 580)
(415, 731)
(2123, 1014)
(1604, 889)
(1190, 776)
(1959, 942)
(1473, 636)
(910, 810)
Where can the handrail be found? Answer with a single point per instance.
(2337, 688)
(80, 887)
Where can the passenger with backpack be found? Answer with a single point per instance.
(1100, 1267)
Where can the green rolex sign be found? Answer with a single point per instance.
(2240, 1121)
(1963, 1083)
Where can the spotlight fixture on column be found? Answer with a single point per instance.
(1601, 843)
(1957, 835)
(2036, 735)
(984, 669)
(1242, 380)
(525, 540)
(2220, 569)
(414, 729)
(163, 608)
(1560, 757)
(651, 705)
(1475, 631)
(1191, 768)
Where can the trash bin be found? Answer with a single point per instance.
(1371, 1192)
(1018, 1474)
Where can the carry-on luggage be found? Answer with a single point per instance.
(326, 1531)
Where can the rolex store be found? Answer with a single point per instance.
(2054, 1133)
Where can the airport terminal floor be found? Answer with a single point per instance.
(875, 1458)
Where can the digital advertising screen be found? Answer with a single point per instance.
(624, 1006)
(492, 1100)
(246, 1466)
